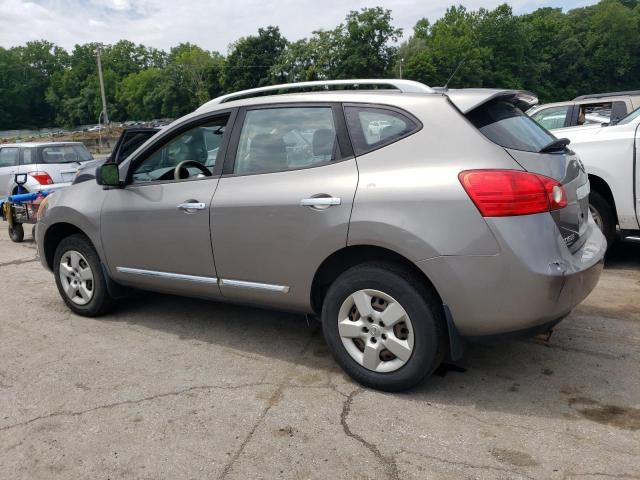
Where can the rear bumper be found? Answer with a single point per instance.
(533, 281)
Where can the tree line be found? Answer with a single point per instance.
(555, 54)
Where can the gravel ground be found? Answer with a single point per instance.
(176, 388)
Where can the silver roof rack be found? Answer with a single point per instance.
(403, 86)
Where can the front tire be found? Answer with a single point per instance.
(79, 277)
(602, 214)
(384, 326)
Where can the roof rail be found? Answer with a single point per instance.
(404, 86)
(610, 94)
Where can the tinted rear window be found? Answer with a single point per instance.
(65, 154)
(505, 124)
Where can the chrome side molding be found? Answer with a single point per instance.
(269, 287)
(224, 282)
(167, 275)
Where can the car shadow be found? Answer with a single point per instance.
(623, 255)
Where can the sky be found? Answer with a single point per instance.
(211, 24)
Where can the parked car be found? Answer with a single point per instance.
(592, 109)
(49, 165)
(407, 246)
(130, 139)
(97, 128)
(609, 154)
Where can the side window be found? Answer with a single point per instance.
(199, 144)
(371, 128)
(594, 113)
(552, 117)
(9, 156)
(287, 138)
(27, 156)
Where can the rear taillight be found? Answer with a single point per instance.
(43, 178)
(505, 193)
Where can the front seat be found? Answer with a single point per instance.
(267, 153)
(323, 143)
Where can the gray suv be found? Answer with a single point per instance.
(457, 218)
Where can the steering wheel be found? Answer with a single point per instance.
(182, 166)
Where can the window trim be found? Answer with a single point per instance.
(172, 133)
(377, 106)
(344, 149)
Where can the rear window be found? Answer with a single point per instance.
(371, 128)
(65, 154)
(505, 124)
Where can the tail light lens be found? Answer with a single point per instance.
(505, 193)
(43, 178)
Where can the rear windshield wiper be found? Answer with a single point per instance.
(556, 145)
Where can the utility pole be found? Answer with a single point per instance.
(104, 98)
(401, 62)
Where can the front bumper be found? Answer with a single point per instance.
(533, 281)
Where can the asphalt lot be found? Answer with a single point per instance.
(178, 388)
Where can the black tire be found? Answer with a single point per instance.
(16, 233)
(608, 223)
(101, 302)
(420, 303)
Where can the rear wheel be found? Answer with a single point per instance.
(16, 232)
(602, 214)
(79, 277)
(383, 326)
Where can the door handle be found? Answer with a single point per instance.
(187, 206)
(320, 201)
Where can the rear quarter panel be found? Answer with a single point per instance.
(409, 198)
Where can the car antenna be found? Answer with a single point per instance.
(446, 85)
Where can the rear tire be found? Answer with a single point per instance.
(603, 216)
(16, 232)
(79, 277)
(418, 337)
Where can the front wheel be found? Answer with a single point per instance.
(79, 277)
(603, 216)
(384, 326)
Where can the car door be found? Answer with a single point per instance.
(283, 203)
(155, 231)
(8, 168)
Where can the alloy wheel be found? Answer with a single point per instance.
(597, 218)
(76, 277)
(376, 330)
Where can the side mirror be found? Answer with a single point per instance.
(108, 175)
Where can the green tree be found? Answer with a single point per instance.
(250, 61)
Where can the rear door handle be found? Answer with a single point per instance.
(190, 206)
(320, 201)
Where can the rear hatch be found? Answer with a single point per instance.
(61, 161)
(500, 118)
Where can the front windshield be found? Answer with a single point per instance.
(630, 118)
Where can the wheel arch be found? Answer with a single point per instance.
(599, 185)
(350, 256)
(54, 235)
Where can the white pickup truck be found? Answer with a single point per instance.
(610, 156)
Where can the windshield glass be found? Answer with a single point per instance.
(65, 154)
(630, 118)
(505, 124)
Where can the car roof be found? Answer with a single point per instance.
(394, 92)
(38, 144)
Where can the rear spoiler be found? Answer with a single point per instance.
(470, 98)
